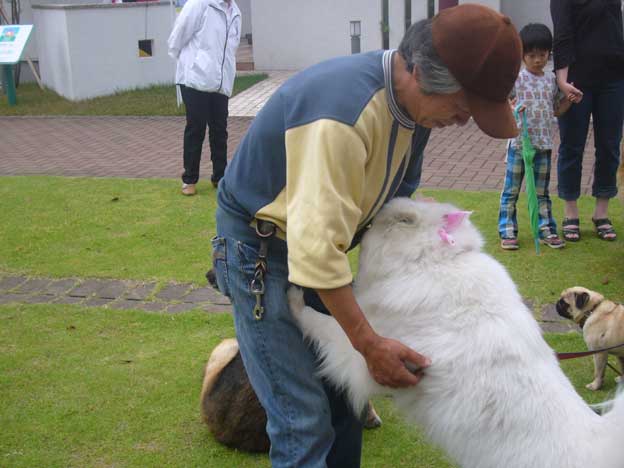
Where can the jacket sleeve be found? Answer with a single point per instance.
(411, 180)
(325, 185)
(186, 25)
(563, 40)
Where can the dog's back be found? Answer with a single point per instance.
(229, 405)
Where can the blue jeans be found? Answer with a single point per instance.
(309, 423)
(606, 105)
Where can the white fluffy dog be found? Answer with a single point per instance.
(494, 395)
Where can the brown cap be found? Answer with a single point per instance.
(483, 51)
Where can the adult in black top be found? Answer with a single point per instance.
(588, 53)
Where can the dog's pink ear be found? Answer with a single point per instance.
(454, 219)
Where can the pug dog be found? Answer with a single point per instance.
(602, 322)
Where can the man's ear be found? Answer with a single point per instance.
(581, 300)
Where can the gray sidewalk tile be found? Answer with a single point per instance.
(177, 308)
(32, 285)
(124, 304)
(68, 300)
(111, 289)
(152, 306)
(38, 299)
(140, 291)
(62, 286)
(217, 308)
(87, 288)
(174, 292)
(9, 282)
(204, 294)
(11, 298)
(97, 301)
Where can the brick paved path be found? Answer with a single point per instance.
(460, 158)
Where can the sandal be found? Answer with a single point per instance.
(604, 229)
(571, 229)
(509, 243)
(553, 241)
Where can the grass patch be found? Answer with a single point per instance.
(96, 387)
(152, 100)
(144, 229)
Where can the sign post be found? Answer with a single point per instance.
(13, 39)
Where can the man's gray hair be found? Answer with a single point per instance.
(417, 50)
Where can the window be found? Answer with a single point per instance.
(146, 47)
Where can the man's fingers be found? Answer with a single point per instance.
(415, 359)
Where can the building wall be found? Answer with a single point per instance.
(245, 8)
(92, 50)
(55, 61)
(293, 34)
(527, 11)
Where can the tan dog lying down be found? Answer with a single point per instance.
(229, 405)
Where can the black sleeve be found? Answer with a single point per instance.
(563, 41)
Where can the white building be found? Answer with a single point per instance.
(293, 34)
(88, 48)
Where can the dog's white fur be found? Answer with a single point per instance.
(494, 395)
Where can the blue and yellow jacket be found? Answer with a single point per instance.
(328, 149)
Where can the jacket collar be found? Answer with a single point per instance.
(399, 114)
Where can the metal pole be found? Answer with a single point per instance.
(7, 73)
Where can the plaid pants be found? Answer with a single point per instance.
(514, 174)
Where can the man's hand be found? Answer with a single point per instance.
(386, 358)
(393, 364)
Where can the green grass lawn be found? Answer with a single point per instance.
(144, 229)
(100, 388)
(153, 100)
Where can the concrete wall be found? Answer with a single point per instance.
(245, 8)
(92, 50)
(494, 4)
(297, 33)
(527, 11)
(293, 34)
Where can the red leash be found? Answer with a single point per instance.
(564, 356)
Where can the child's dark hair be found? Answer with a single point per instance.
(536, 36)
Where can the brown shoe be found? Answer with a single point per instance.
(188, 189)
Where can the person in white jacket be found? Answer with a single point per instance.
(204, 40)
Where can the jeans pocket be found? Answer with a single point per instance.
(219, 264)
(247, 258)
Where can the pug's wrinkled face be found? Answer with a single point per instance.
(577, 302)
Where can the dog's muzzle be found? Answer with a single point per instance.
(563, 309)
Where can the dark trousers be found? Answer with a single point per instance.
(204, 109)
(605, 104)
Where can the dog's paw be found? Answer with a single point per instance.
(594, 386)
(295, 301)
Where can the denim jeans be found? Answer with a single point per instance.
(606, 105)
(309, 423)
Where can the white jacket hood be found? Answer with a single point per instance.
(204, 42)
